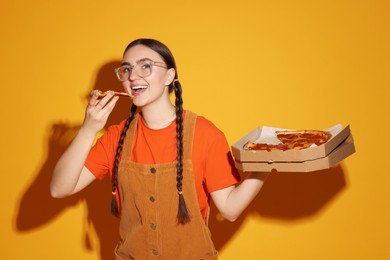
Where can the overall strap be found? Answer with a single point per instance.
(129, 140)
(189, 129)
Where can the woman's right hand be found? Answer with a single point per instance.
(98, 111)
(70, 175)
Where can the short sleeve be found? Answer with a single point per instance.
(219, 169)
(100, 160)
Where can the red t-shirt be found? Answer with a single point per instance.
(213, 165)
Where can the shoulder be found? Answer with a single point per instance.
(207, 133)
(204, 125)
(116, 129)
(112, 134)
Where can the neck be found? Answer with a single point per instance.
(159, 117)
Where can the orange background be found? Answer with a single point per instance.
(292, 64)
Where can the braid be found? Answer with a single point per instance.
(183, 215)
(114, 203)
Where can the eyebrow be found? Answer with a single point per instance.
(143, 59)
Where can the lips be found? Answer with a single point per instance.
(138, 89)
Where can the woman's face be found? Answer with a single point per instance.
(151, 88)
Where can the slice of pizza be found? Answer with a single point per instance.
(302, 139)
(264, 147)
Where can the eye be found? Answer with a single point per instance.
(146, 65)
(125, 69)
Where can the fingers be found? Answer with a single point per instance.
(109, 106)
(100, 100)
(99, 109)
(94, 98)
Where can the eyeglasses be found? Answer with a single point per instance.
(142, 68)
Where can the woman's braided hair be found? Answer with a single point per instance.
(183, 215)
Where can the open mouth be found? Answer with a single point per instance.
(138, 89)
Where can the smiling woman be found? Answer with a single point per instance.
(295, 64)
(165, 162)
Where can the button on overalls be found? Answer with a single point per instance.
(149, 205)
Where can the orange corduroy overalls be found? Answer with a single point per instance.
(149, 206)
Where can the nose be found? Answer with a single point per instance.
(133, 75)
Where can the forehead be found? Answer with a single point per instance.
(140, 52)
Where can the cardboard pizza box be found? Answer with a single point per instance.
(338, 136)
(342, 151)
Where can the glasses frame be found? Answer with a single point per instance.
(153, 63)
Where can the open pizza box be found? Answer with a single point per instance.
(339, 147)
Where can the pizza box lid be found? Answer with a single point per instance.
(342, 151)
(338, 136)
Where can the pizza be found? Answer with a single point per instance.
(302, 139)
(265, 147)
(123, 94)
(292, 139)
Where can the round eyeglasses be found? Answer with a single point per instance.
(142, 68)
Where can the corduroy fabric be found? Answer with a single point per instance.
(149, 206)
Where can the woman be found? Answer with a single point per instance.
(165, 163)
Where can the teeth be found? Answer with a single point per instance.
(139, 87)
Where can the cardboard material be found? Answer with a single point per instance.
(285, 156)
(345, 149)
(339, 147)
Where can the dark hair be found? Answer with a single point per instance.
(183, 215)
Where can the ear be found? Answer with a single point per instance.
(170, 76)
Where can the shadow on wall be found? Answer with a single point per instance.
(285, 196)
(37, 207)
